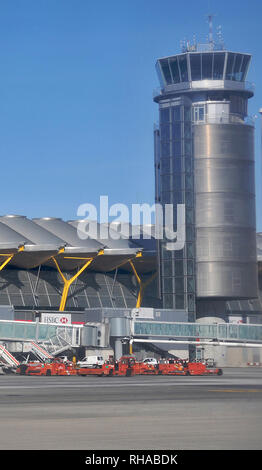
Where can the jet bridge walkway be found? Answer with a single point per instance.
(45, 340)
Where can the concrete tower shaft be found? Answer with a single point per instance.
(225, 211)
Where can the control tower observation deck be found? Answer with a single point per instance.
(204, 159)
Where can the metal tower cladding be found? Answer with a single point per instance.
(204, 158)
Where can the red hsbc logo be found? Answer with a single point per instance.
(56, 319)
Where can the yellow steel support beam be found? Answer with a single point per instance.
(8, 257)
(68, 282)
(126, 261)
(142, 285)
(6, 261)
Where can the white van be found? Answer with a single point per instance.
(150, 361)
(91, 361)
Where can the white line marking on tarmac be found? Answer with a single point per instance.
(115, 385)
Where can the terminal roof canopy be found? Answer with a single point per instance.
(118, 248)
(48, 241)
(106, 234)
(37, 245)
(10, 240)
(43, 239)
(27, 228)
(61, 229)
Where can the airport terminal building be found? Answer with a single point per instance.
(120, 276)
(204, 163)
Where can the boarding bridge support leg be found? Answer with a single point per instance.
(118, 349)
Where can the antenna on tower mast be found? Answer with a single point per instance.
(220, 37)
(210, 23)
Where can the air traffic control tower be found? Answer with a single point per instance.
(204, 159)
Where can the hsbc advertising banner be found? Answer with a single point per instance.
(56, 318)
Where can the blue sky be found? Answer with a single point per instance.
(76, 82)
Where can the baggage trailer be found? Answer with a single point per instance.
(146, 369)
(171, 368)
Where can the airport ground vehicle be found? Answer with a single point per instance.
(150, 360)
(91, 361)
(54, 366)
(177, 367)
(199, 368)
(126, 366)
(103, 370)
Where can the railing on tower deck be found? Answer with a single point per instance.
(205, 84)
(225, 118)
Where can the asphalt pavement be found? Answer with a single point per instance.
(142, 412)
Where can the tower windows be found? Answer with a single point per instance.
(196, 66)
(199, 113)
